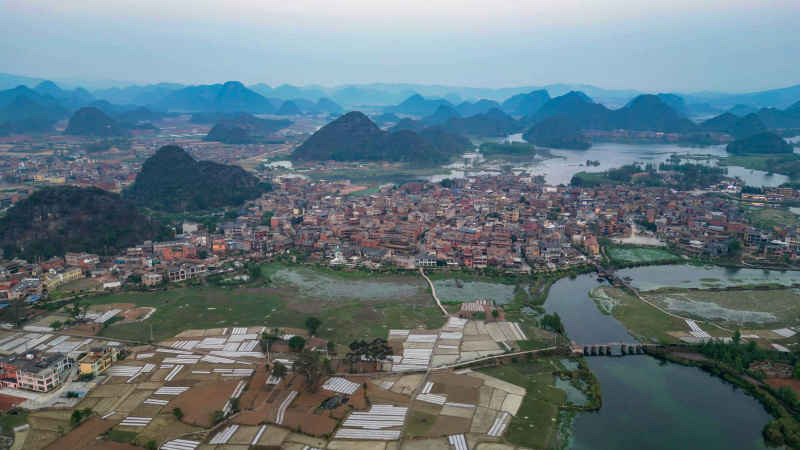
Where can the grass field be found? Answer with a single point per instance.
(768, 218)
(9, 421)
(275, 304)
(639, 254)
(535, 424)
(756, 307)
(639, 318)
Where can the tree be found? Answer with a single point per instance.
(296, 343)
(553, 322)
(217, 416)
(178, 413)
(134, 278)
(279, 370)
(495, 313)
(735, 248)
(77, 310)
(152, 445)
(737, 337)
(267, 339)
(331, 347)
(266, 218)
(254, 271)
(310, 365)
(374, 351)
(312, 325)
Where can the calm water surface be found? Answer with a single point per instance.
(559, 170)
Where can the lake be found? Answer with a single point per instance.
(566, 163)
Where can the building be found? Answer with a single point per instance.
(35, 371)
(57, 277)
(151, 279)
(98, 360)
(185, 272)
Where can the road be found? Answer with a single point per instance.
(433, 292)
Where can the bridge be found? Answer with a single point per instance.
(612, 349)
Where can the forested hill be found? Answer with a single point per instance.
(171, 180)
(354, 137)
(56, 220)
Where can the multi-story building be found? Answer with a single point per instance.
(35, 371)
(98, 360)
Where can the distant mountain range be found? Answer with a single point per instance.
(698, 103)
(485, 113)
(492, 123)
(172, 180)
(354, 137)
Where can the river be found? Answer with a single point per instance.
(647, 403)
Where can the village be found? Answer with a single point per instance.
(505, 222)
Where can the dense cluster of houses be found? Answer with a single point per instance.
(506, 221)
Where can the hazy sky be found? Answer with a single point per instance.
(650, 45)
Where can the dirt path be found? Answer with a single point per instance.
(433, 292)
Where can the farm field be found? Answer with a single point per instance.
(535, 424)
(768, 217)
(640, 319)
(349, 307)
(754, 307)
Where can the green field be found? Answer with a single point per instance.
(758, 308)
(593, 179)
(276, 304)
(627, 255)
(535, 425)
(785, 164)
(768, 218)
(641, 319)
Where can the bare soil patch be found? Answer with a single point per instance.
(199, 403)
(447, 425)
(7, 402)
(784, 382)
(82, 436)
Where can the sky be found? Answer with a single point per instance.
(647, 45)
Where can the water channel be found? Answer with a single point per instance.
(647, 403)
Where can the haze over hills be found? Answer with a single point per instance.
(394, 93)
(557, 132)
(244, 128)
(229, 97)
(526, 104)
(91, 121)
(738, 127)
(171, 180)
(354, 137)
